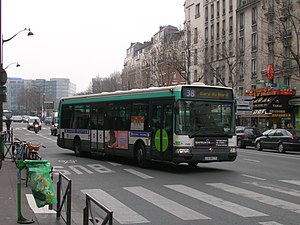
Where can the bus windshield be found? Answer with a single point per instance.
(198, 118)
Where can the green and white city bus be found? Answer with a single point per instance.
(177, 124)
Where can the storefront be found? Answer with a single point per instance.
(271, 108)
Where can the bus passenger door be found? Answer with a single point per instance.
(162, 131)
(96, 129)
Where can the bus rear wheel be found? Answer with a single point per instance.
(141, 156)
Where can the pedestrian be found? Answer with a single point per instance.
(8, 124)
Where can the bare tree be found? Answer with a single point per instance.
(225, 66)
(30, 100)
(106, 84)
(288, 31)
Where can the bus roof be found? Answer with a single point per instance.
(152, 92)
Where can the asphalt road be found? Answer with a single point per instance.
(258, 188)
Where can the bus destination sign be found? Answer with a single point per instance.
(208, 93)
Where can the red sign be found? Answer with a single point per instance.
(270, 72)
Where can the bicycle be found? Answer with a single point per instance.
(26, 150)
(19, 151)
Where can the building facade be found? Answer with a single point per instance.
(30, 97)
(252, 46)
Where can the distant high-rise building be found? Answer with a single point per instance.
(29, 96)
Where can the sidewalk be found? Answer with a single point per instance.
(8, 199)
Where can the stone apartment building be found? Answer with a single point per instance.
(152, 63)
(250, 45)
(237, 40)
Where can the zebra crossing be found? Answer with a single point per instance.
(125, 213)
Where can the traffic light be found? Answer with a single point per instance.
(3, 89)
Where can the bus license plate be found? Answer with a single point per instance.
(210, 158)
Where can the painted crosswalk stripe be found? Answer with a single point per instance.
(139, 174)
(122, 213)
(258, 197)
(168, 205)
(270, 223)
(253, 177)
(271, 187)
(296, 182)
(217, 202)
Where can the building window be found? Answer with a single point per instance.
(253, 68)
(230, 24)
(206, 14)
(197, 10)
(212, 31)
(195, 56)
(212, 53)
(242, 45)
(212, 11)
(224, 7)
(241, 91)
(241, 71)
(254, 42)
(242, 21)
(196, 35)
(224, 27)
(230, 47)
(254, 16)
(218, 9)
(195, 75)
(218, 30)
(218, 51)
(206, 34)
(230, 6)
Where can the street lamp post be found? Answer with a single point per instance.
(3, 75)
(17, 65)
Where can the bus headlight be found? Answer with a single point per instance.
(182, 151)
(233, 150)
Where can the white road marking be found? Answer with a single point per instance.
(35, 209)
(74, 168)
(258, 197)
(168, 205)
(217, 202)
(137, 173)
(270, 223)
(296, 182)
(271, 187)
(251, 160)
(122, 213)
(100, 169)
(257, 178)
(114, 164)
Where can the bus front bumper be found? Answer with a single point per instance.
(205, 156)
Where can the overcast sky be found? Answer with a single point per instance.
(79, 39)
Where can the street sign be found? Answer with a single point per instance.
(48, 105)
(282, 86)
(260, 81)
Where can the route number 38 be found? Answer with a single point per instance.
(190, 93)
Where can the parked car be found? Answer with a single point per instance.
(31, 119)
(278, 139)
(48, 120)
(246, 136)
(17, 119)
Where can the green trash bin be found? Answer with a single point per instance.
(40, 182)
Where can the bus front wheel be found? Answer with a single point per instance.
(77, 146)
(141, 156)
